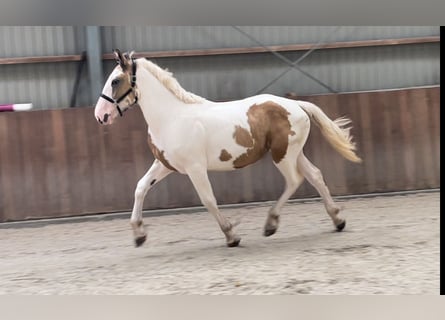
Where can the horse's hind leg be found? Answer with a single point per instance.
(314, 176)
(156, 173)
(288, 169)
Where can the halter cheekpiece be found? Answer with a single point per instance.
(131, 89)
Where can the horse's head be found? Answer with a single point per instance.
(119, 92)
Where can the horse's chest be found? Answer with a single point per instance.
(159, 154)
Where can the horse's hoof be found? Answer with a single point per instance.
(341, 226)
(234, 243)
(271, 225)
(268, 231)
(140, 240)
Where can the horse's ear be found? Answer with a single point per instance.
(117, 55)
(129, 55)
(120, 59)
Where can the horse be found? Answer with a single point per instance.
(191, 135)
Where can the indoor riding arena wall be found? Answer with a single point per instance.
(61, 162)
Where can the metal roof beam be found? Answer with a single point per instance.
(292, 64)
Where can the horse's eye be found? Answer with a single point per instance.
(115, 82)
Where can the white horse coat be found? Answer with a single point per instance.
(191, 135)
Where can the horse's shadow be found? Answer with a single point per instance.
(249, 248)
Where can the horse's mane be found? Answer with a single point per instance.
(167, 79)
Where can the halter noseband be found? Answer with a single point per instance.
(131, 89)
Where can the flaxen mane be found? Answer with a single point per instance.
(167, 79)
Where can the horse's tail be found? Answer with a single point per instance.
(333, 130)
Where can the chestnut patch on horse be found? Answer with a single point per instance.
(225, 155)
(158, 154)
(243, 137)
(269, 130)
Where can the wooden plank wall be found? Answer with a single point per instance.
(57, 163)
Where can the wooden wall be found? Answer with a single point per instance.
(57, 163)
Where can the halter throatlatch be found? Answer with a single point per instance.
(131, 89)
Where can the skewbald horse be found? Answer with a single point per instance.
(192, 135)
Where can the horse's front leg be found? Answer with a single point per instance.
(156, 173)
(199, 177)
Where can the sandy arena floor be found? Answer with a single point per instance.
(390, 246)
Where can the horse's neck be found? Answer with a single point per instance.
(157, 103)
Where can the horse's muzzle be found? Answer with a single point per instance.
(104, 120)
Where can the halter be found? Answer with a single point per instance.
(131, 89)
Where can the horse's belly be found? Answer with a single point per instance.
(223, 159)
(220, 166)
